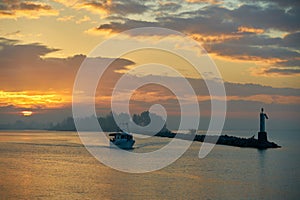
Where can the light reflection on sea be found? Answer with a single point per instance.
(55, 165)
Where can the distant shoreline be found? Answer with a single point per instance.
(219, 140)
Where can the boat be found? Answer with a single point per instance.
(121, 139)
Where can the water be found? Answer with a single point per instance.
(55, 165)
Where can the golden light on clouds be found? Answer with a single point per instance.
(247, 59)
(96, 32)
(245, 29)
(103, 8)
(84, 19)
(34, 99)
(214, 38)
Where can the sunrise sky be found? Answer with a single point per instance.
(255, 45)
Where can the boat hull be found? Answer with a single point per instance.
(123, 144)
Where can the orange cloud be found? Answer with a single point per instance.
(35, 99)
(97, 8)
(84, 19)
(245, 29)
(246, 58)
(96, 32)
(214, 38)
(65, 18)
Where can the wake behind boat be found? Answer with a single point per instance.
(122, 140)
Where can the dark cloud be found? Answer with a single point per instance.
(17, 8)
(23, 68)
(242, 90)
(236, 50)
(292, 62)
(196, 22)
(123, 8)
(237, 89)
(255, 40)
(279, 3)
(261, 47)
(31, 6)
(118, 7)
(287, 71)
(168, 7)
(58, 73)
(216, 20)
(292, 40)
(129, 24)
(267, 17)
(60, 69)
(12, 52)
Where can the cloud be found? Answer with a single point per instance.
(128, 24)
(11, 50)
(69, 3)
(244, 32)
(276, 52)
(20, 61)
(279, 3)
(84, 19)
(204, 1)
(18, 32)
(195, 22)
(167, 7)
(245, 29)
(292, 40)
(23, 68)
(65, 18)
(105, 8)
(271, 17)
(44, 85)
(251, 52)
(283, 71)
(19, 8)
(34, 99)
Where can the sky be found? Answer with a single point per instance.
(254, 44)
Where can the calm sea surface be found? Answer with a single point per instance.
(55, 165)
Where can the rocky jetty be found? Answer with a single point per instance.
(238, 142)
(260, 143)
(223, 140)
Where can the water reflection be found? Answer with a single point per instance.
(262, 180)
(55, 165)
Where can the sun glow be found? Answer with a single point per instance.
(26, 113)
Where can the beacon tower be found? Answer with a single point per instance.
(262, 134)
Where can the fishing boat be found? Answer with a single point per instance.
(122, 140)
